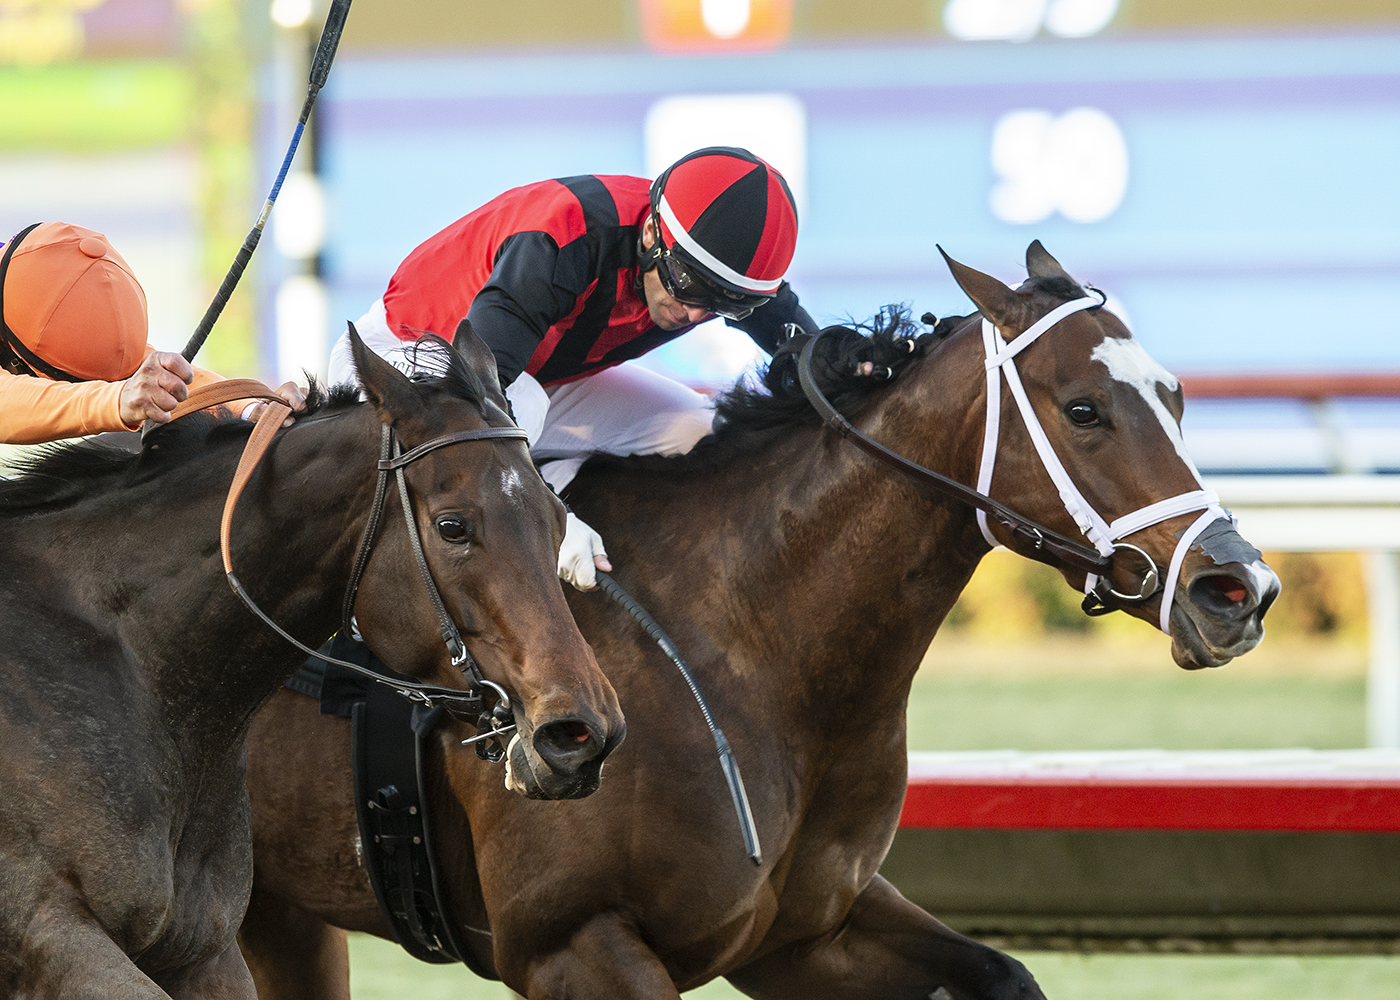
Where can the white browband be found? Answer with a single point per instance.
(1103, 535)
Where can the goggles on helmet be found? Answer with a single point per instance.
(685, 283)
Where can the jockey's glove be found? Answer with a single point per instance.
(576, 555)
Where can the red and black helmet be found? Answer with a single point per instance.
(727, 228)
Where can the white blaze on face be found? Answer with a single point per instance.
(1127, 361)
(512, 486)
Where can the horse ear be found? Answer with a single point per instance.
(480, 357)
(387, 388)
(1039, 263)
(994, 300)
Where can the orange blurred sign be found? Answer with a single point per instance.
(715, 25)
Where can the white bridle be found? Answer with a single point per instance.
(1103, 535)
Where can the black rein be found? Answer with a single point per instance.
(1046, 546)
(469, 704)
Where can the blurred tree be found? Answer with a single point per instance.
(220, 47)
(1323, 595)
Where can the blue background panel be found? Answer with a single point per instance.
(1260, 229)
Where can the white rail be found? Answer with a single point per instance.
(1346, 513)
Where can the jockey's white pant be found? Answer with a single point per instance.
(625, 410)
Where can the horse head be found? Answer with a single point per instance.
(1110, 417)
(491, 530)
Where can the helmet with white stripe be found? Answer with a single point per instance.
(727, 227)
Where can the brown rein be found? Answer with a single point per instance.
(468, 705)
(229, 391)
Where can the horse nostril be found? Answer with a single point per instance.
(1230, 588)
(566, 745)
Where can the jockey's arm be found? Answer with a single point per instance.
(36, 410)
(527, 293)
(768, 324)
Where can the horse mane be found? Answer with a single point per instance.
(763, 408)
(61, 475)
(437, 362)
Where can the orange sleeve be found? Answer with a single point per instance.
(37, 410)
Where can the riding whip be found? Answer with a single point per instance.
(727, 762)
(320, 69)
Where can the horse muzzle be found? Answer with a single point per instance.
(1219, 610)
(562, 759)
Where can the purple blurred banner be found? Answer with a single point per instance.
(132, 28)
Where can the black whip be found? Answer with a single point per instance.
(320, 69)
(727, 762)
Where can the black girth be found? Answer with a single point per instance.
(388, 747)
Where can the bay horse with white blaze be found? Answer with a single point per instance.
(129, 671)
(804, 583)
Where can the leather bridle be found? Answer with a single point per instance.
(469, 705)
(1045, 544)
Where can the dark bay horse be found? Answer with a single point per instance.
(803, 583)
(129, 671)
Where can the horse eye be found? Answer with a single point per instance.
(1082, 412)
(454, 529)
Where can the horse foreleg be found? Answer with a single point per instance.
(888, 949)
(225, 978)
(65, 956)
(292, 954)
(604, 960)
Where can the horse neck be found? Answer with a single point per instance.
(201, 651)
(831, 573)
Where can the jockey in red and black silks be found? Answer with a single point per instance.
(551, 274)
(566, 279)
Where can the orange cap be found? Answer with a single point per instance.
(72, 306)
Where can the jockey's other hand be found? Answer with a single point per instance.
(294, 395)
(156, 388)
(582, 554)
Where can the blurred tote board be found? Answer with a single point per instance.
(380, 25)
(1242, 201)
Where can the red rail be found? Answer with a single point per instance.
(1311, 386)
(1156, 790)
(1083, 805)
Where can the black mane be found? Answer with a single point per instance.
(890, 341)
(440, 365)
(61, 475)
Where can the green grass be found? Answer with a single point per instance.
(1214, 977)
(382, 971)
(1165, 712)
(1063, 694)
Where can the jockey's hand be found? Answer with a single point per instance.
(294, 395)
(581, 554)
(156, 388)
